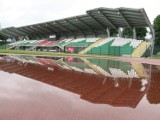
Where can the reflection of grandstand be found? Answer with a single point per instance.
(110, 68)
(86, 34)
(90, 87)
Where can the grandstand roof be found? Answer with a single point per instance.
(94, 22)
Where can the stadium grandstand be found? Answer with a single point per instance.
(86, 34)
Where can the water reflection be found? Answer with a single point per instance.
(153, 94)
(99, 81)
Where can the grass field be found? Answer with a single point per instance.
(23, 52)
(2, 51)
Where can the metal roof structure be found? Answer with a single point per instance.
(94, 22)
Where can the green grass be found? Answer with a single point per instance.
(50, 53)
(155, 57)
(32, 52)
(23, 52)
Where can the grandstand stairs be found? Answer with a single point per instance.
(9, 48)
(92, 66)
(140, 50)
(138, 67)
(32, 48)
(92, 45)
(62, 46)
(61, 60)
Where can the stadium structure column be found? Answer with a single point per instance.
(152, 39)
(151, 29)
(108, 32)
(134, 33)
(119, 32)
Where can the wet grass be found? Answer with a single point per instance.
(156, 57)
(31, 52)
(39, 53)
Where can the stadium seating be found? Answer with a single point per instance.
(80, 44)
(63, 42)
(114, 46)
(114, 68)
(24, 43)
(101, 48)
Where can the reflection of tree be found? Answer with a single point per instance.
(153, 94)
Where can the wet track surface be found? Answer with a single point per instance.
(61, 88)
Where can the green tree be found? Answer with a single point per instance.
(113, 32)
(127, 33)
(156, 25)
(140, 31)
(2, 37)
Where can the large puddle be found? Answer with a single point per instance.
(69, 88)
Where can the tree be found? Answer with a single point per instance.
(2, 37)
(156, 25)
(113, 32)
(127, 33)
(140, 31)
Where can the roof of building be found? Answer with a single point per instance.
(94, 22)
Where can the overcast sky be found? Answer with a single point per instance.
(25, 12)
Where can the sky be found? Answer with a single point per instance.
(25, 12)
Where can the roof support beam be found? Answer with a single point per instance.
(120, 13)
(76, 27)
(26, 32)
(53, 27)
(96, 20)
(10, 33)
(16, 31)
(3, 34)
(31, 32)
(109, 21)
(59, 30)
(66, 28)
(35, 29)
(43, 29)
(85, 24)
(63, 26)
